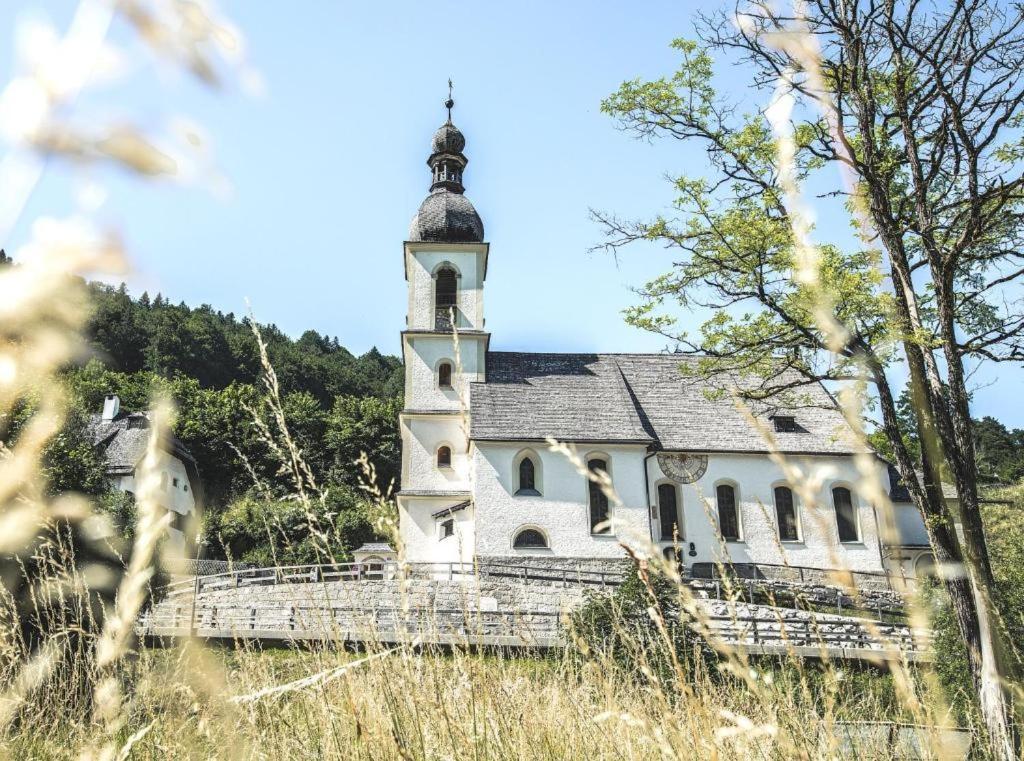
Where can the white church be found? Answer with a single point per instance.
(692, 474)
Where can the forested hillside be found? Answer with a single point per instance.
(336, 404)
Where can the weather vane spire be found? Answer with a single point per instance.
(449, 103)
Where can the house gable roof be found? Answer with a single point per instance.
(643, 399)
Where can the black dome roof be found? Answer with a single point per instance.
(448, 139)
(445, 216)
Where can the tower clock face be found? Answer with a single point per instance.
(683, 468)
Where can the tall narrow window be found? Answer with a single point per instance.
(444, 457)
(444, 375)
(527, 478)
(846, 517)
(444, 297)
(728, 515)
(785, 510)
(668, 507)
(598, 500)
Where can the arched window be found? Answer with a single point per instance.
(528, 539)
(527, 478)
(444, 375)
(728, 514)
(668, 508)
(444, 457)
(445, 297)
(846, 516)
(598, 499)
(785, 511)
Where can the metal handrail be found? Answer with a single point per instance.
(376, 570)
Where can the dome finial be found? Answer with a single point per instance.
(449, 104)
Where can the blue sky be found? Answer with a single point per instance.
(329, 166)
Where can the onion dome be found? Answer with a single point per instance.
(448, 139)
(446, 215)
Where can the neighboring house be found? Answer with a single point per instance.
(479, 482)
(123, 437)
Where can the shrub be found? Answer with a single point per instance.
(642, 629)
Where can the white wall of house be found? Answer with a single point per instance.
(421, 438)
(176, 493)
(422, 260)
(422, 536)
(754, 478)
(424, 354)
(562, 513)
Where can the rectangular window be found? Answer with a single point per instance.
(846, 516)
(598, 499)
(447, 528)
(174, 481)
(785, 511)
(728, 515)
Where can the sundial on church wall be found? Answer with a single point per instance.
(683, 468)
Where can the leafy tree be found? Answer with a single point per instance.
(254, 529)
(1000, 451)
(921, 108)
(368, 424)
(70, 461)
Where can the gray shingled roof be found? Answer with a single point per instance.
(123, 442)
(641, 398)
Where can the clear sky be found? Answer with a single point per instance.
(328, 167)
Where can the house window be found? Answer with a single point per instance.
(529, 539)
(185, 487)
(598, 499)
(846, 516)
(668, 508)
(785, 511)
(174, 482)
(444, 457)
(527, 478)
(444, 375)
(447, 528)
(785, 424)
(728, 515)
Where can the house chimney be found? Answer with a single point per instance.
(111, 406)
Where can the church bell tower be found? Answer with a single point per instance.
(444, 347)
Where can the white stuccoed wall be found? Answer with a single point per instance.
(421, 436)
(421, 538)
(178, 498)
(754, 478)
(422, 261)
(422, 357)
(562, 512)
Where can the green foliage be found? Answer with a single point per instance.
(621, 629)
(254, 529)
(217, 349)
(70, 461)
(999, 450)
(1005, 534)
(120, 507)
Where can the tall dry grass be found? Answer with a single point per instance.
(76, 684)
